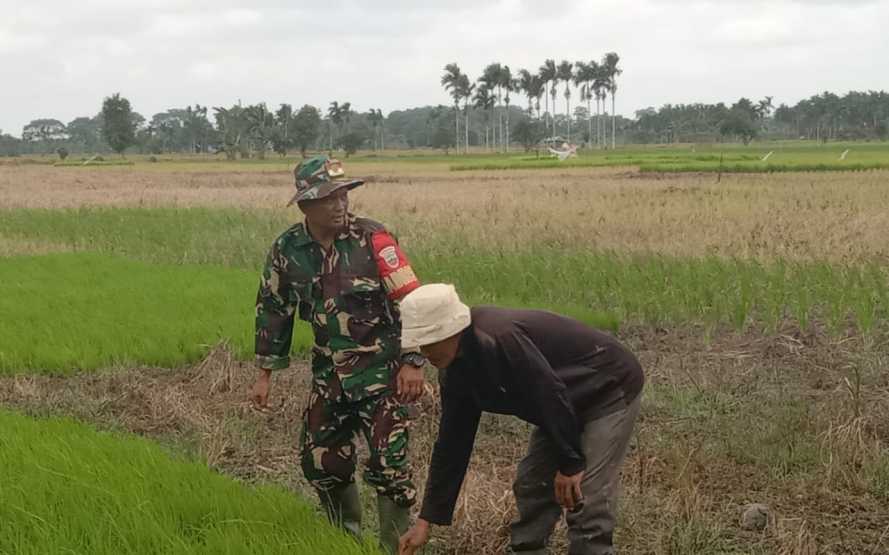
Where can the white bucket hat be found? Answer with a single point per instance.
(432, 313)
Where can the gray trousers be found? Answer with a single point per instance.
(591, 525)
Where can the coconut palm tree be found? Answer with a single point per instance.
(334, 116)
(491, 79)
(547, 74)
(526, 85)
(599, 83)
(375, 117)
(583, 79)
(466, 88)
(451, 82)
(484, 100)
(610, 62)
(565, 73)
(508, 84)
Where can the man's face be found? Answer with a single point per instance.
(443, 353)
(329, 212)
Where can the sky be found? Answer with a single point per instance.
(60, 59)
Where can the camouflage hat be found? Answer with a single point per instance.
(318, 177)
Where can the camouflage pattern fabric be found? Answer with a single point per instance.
(315, 178)
(328, 448)
(356, 353)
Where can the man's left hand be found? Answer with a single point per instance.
(568, 492)
(409, 383)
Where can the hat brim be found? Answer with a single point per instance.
(328, 189)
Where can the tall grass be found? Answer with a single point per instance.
(65, 488)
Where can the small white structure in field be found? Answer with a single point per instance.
(567, 151)
(767, 156)
(843, 155)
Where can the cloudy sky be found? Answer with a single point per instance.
(59, 59)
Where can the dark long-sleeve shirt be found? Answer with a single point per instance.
(547, 369)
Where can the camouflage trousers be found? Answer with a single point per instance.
(328, 454)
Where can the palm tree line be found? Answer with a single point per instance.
(490, 93)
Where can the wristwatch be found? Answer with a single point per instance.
(414, 359)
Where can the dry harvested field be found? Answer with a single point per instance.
(791, 415)
(820, 216)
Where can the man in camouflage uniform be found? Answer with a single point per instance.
(344, 275)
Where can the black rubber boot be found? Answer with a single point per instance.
(394, 522)
(343, 507)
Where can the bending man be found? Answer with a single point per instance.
(579, 386)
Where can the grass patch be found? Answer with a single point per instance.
(728, 158)
(760, 167)
(602, 288)
(93, 163)
(63, 312)
(69, 489)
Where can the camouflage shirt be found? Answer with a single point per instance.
(348, 294)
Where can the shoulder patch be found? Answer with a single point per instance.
(398, 277)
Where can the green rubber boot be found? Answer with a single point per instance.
(343, 507)
(394, 522)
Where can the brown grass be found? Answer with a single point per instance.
(840, 217)
(15, 246)
(683, 490)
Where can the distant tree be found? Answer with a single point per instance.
(600, 90)
(609, 62)
(260, 127)
(376, 119)
(62, 152)
(306, 128)
(46, 131)
(547, 74)
(565, 73)
(233, 125)
(86, 133)
(451, 80)
(118, 126)
(281, 132)
(442, 138)
(529, 133)
(466, 89)
(196, 127)
(740, 123)
(484, 101)
(350, 142)
(507, 84)
(9, 145)
(494, 78)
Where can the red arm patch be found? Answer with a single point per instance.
(398, 277)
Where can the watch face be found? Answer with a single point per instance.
(415, 359)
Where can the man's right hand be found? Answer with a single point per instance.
(259, 394)
(415, 538)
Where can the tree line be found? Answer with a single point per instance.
(823, 117)
(487, 118)
(490, 94)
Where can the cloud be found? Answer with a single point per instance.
(60, 61)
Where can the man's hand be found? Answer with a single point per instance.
(568, 492)
(409, 383)
(259, 394)
(414, 539)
